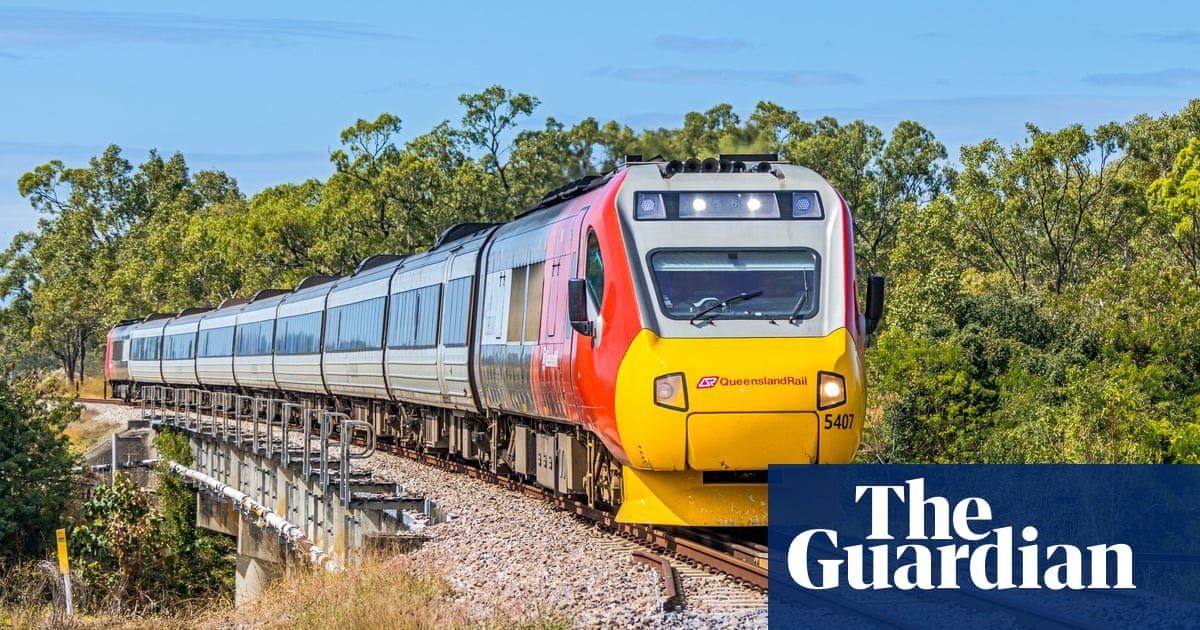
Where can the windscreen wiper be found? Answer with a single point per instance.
(801, 303)
(741, 297)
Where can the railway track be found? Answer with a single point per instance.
(103, 401)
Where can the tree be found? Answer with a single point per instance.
(490, 118)
(1153, 143)
(35, 469)
(879, 178)
(368, 151)
(113, 243)
(1176, 205)
(1048, 211)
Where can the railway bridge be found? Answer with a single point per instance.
(284, 479)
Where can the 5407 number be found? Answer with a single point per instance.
(839, 420)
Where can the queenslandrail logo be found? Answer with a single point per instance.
(706, 382)
(975, 554)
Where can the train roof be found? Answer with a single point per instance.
(461, 232)
(370, 272)
(313, 281)
(267, 298)
(378, 260)
(723, 163)
(311, 287)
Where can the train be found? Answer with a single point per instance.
(650, 339)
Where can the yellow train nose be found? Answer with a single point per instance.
(691, 412)
(750, 441)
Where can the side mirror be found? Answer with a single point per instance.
(577, 306)
(874, 312)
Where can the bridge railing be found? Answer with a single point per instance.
(264, 426)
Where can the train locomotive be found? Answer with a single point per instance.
(650, 339)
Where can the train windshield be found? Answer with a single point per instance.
(708, 285)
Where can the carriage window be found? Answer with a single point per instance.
(299, 334)
(455, 309)
(516, 304)
(216, 342)
(533, 301)
(595, 269)
(146, 348)
(181, 346)
(357, 326)
(255, 338)
(413, 318)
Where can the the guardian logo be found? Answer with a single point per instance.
(975, 553)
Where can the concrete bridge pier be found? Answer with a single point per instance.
(262, 558)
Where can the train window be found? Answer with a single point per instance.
(414, 318)
(255, 338)
(533, 301)
(737, 284)
(402, 319)
(333, 322)
(594, 271)
(147, 348)
(181, 346)
(298, 334)
(118, 351)
(516, 304)
(138, 352)
(428, 307)
(455, 310)
(216, 342)
(357, 326)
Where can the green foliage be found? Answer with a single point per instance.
(1176, 198)
(201, 562)
(1049, 212)
(117, 548)
(137, 556)
(35, 469)
(140, 555)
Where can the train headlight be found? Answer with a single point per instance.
(650, 206)
(831, 390)
(670, 391)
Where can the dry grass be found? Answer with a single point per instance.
(384, 592)
(86, 432)
(92, 387)
(380, 592)
(44, 617)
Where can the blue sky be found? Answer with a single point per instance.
(261, 90)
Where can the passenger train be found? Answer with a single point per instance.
(651, 339)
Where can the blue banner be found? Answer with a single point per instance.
(964, 546)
